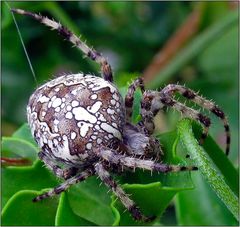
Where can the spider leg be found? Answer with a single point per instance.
(119, 192)
(131, 162)
(171, 89)
(191, 113)
(138, 83)
(57, 170)
(65, 185)
(147, 122)
(68, 35)
(152, 102)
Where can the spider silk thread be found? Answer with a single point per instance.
(21, 39)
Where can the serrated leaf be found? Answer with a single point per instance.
(20, 210)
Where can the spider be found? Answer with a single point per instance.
(83, 127)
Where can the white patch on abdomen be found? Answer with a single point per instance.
(95, 107)
(43, 99)
(83, 115)
(84, 128)
(57, 102)
(62, 149)
(100, 83)
(108, 128)
(94, 96)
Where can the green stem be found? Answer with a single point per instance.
(207, 167)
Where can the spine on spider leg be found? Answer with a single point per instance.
(219, 113)
(133, 163)
(187, 111)
(206, 122)
(172, 168)
(190, 94)
(67, 34)
(71, 37)
(207, 104)
(121, 194)
(65, 185)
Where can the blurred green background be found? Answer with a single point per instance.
(130, 35)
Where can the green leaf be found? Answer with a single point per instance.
(209, 206)
(34, 177)
(206, 166)
(65, 215)
(20, 210)
(24, 133)
(91, 202)
(151, 198)
(21, 144)
(18, 147)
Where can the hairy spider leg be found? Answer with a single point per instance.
(147, 121)
(171, 89)
(57, 170)
(129, 98)
(71, 37)
(119, 192)
(152, 102)
(110, 156)
(65, 185)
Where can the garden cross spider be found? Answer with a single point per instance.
(83, 127)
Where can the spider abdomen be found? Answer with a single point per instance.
(73, 114)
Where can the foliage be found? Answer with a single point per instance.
(216, 180)
(129, 34)
(89, 204)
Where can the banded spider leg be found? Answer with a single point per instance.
(112, 158)
(66, 184)
(71, 37)
(153, 102)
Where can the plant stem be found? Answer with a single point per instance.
(207, 167)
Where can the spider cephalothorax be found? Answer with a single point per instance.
(83, 127)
